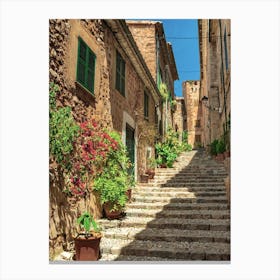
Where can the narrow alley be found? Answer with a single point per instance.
(182, 214)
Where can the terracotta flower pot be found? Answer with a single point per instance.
(220, 157)
(144, 178)
(128, 194)
(115, 214)
(151, 173)
(226, 154)
(87, 249)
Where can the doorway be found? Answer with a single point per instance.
(130, 146)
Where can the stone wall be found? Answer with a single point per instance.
(106, 105)
(145, 38)
(156, 55)
(63, 211)
(191, 93)
(180, 116)
(215, 76)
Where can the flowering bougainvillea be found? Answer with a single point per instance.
(93, 148)
(90, 150)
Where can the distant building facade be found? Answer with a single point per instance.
(180, 117)
(191, 93)
(215, 90)
(159, 57)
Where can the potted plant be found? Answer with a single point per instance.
(87, 242)
(220, 149)
(144, 178)
(114, 180)
(151, 168)
(213, 148)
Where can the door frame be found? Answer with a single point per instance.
(127, 119)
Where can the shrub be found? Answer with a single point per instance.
(220, 147)
(63, 131)
(114, 180)
(213, 147)
(168, 150)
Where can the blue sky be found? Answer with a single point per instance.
(183, 35)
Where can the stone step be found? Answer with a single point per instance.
(172, 223)
(193, 199)
(194, 176)
(181, 206)
(174, 189)
(169, 235)
(189, 171)
(181, 184)
(183, 214)
(177, 194)
(128, 258)
(187, 181)
(169, 250)
(193, 184)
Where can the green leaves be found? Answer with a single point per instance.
(114, 180)
(63, 131)
(168, 151)
(86, 221)
(163, 91)
(217, 147)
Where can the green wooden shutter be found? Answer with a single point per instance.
(120, 74)
(81, 62)
(90, 70)
(146, 105)
(85, 66)
(123, 77)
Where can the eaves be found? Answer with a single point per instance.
(125, 39)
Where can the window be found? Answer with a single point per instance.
(225, 46)
(209, 30)
(197, 138)
(85, 66)
(156, 117)
(146, 105)
(120, 74)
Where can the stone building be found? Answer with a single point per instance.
(191, 93)
(159, 57)
(215, 62)
(102, 74)
(180, 117)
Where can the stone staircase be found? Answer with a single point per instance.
(180, 215)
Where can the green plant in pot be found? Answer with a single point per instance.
(151, 168)
(114, 180)
(87, 241)
(220, 149)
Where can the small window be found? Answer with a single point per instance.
(156, 117)
(85, 66)
(197, 139)
(146, 105)
(120, 74)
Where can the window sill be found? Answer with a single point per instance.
(123, 95)
(84, 94)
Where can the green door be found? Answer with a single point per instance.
(130, 145)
